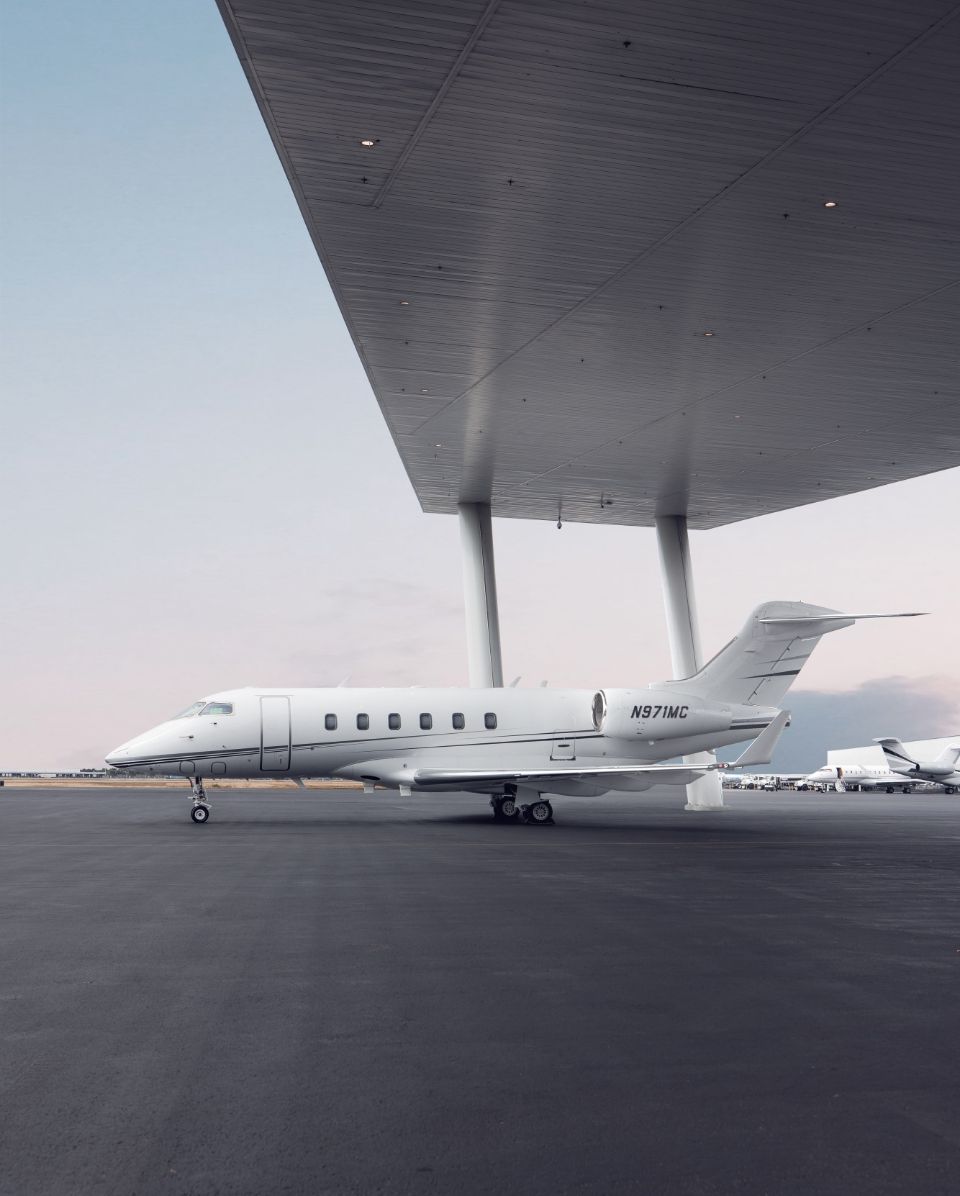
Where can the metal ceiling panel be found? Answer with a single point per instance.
(587, 261)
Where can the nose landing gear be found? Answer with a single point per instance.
(201, 807)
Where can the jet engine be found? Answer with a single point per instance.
(657, 714)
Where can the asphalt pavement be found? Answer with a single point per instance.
(348, 993)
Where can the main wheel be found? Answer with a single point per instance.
(504, 808)
(951, 789)
(200, 813)
(540, 812)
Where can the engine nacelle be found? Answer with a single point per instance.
(657, 714)
(931, 769)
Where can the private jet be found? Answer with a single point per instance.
(843, 777)
(942, 771)
(514, 745)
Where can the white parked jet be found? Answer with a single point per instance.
(858, 776)
(515, 745)
(942, 771)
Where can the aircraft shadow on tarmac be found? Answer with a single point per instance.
(685, 827)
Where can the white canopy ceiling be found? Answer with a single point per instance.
(589, 261)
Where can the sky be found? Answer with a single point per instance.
(199, 491)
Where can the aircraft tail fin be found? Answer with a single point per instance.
(897, 757)
(950, 757)
(760, 664)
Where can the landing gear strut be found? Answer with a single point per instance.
(201, 807)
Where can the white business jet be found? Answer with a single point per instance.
(515, 745)
(943, 770)
(842, 777)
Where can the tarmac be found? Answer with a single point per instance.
(352, 993)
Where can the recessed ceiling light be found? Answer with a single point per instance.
(367, 141)
(404, 302)
(709, 333)
(830, 203)
(424, 391)
(438, 446)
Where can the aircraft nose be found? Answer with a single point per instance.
(116, 757)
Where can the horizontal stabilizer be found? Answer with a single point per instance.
(903, 614)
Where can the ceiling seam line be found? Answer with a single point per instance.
(467, 49)
(868, 323)
(794, 137)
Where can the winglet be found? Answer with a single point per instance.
(762, 749)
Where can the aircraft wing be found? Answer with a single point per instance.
(758, 752)
(465, 778)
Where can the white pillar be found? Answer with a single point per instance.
(684, 636)
(480, 596)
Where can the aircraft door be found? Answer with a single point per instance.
(274, 734)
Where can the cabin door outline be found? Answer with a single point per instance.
(275, 734)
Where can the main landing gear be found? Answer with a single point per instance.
(506, 809)
(201, 807)
(537, 813)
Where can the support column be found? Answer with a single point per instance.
(683, 633)
(480, 596)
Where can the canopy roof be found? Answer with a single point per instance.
(591, 261)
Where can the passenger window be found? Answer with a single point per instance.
(330, 722)
(363, 722)
(490, 722)
(426, 722)
(393, 722)
(459, 722)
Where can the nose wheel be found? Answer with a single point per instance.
(201, 807)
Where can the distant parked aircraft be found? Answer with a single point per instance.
(859, 776)
(943, 770)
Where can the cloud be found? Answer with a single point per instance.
(910, 708)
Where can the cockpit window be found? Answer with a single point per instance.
(192, 709)
(218, 708)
